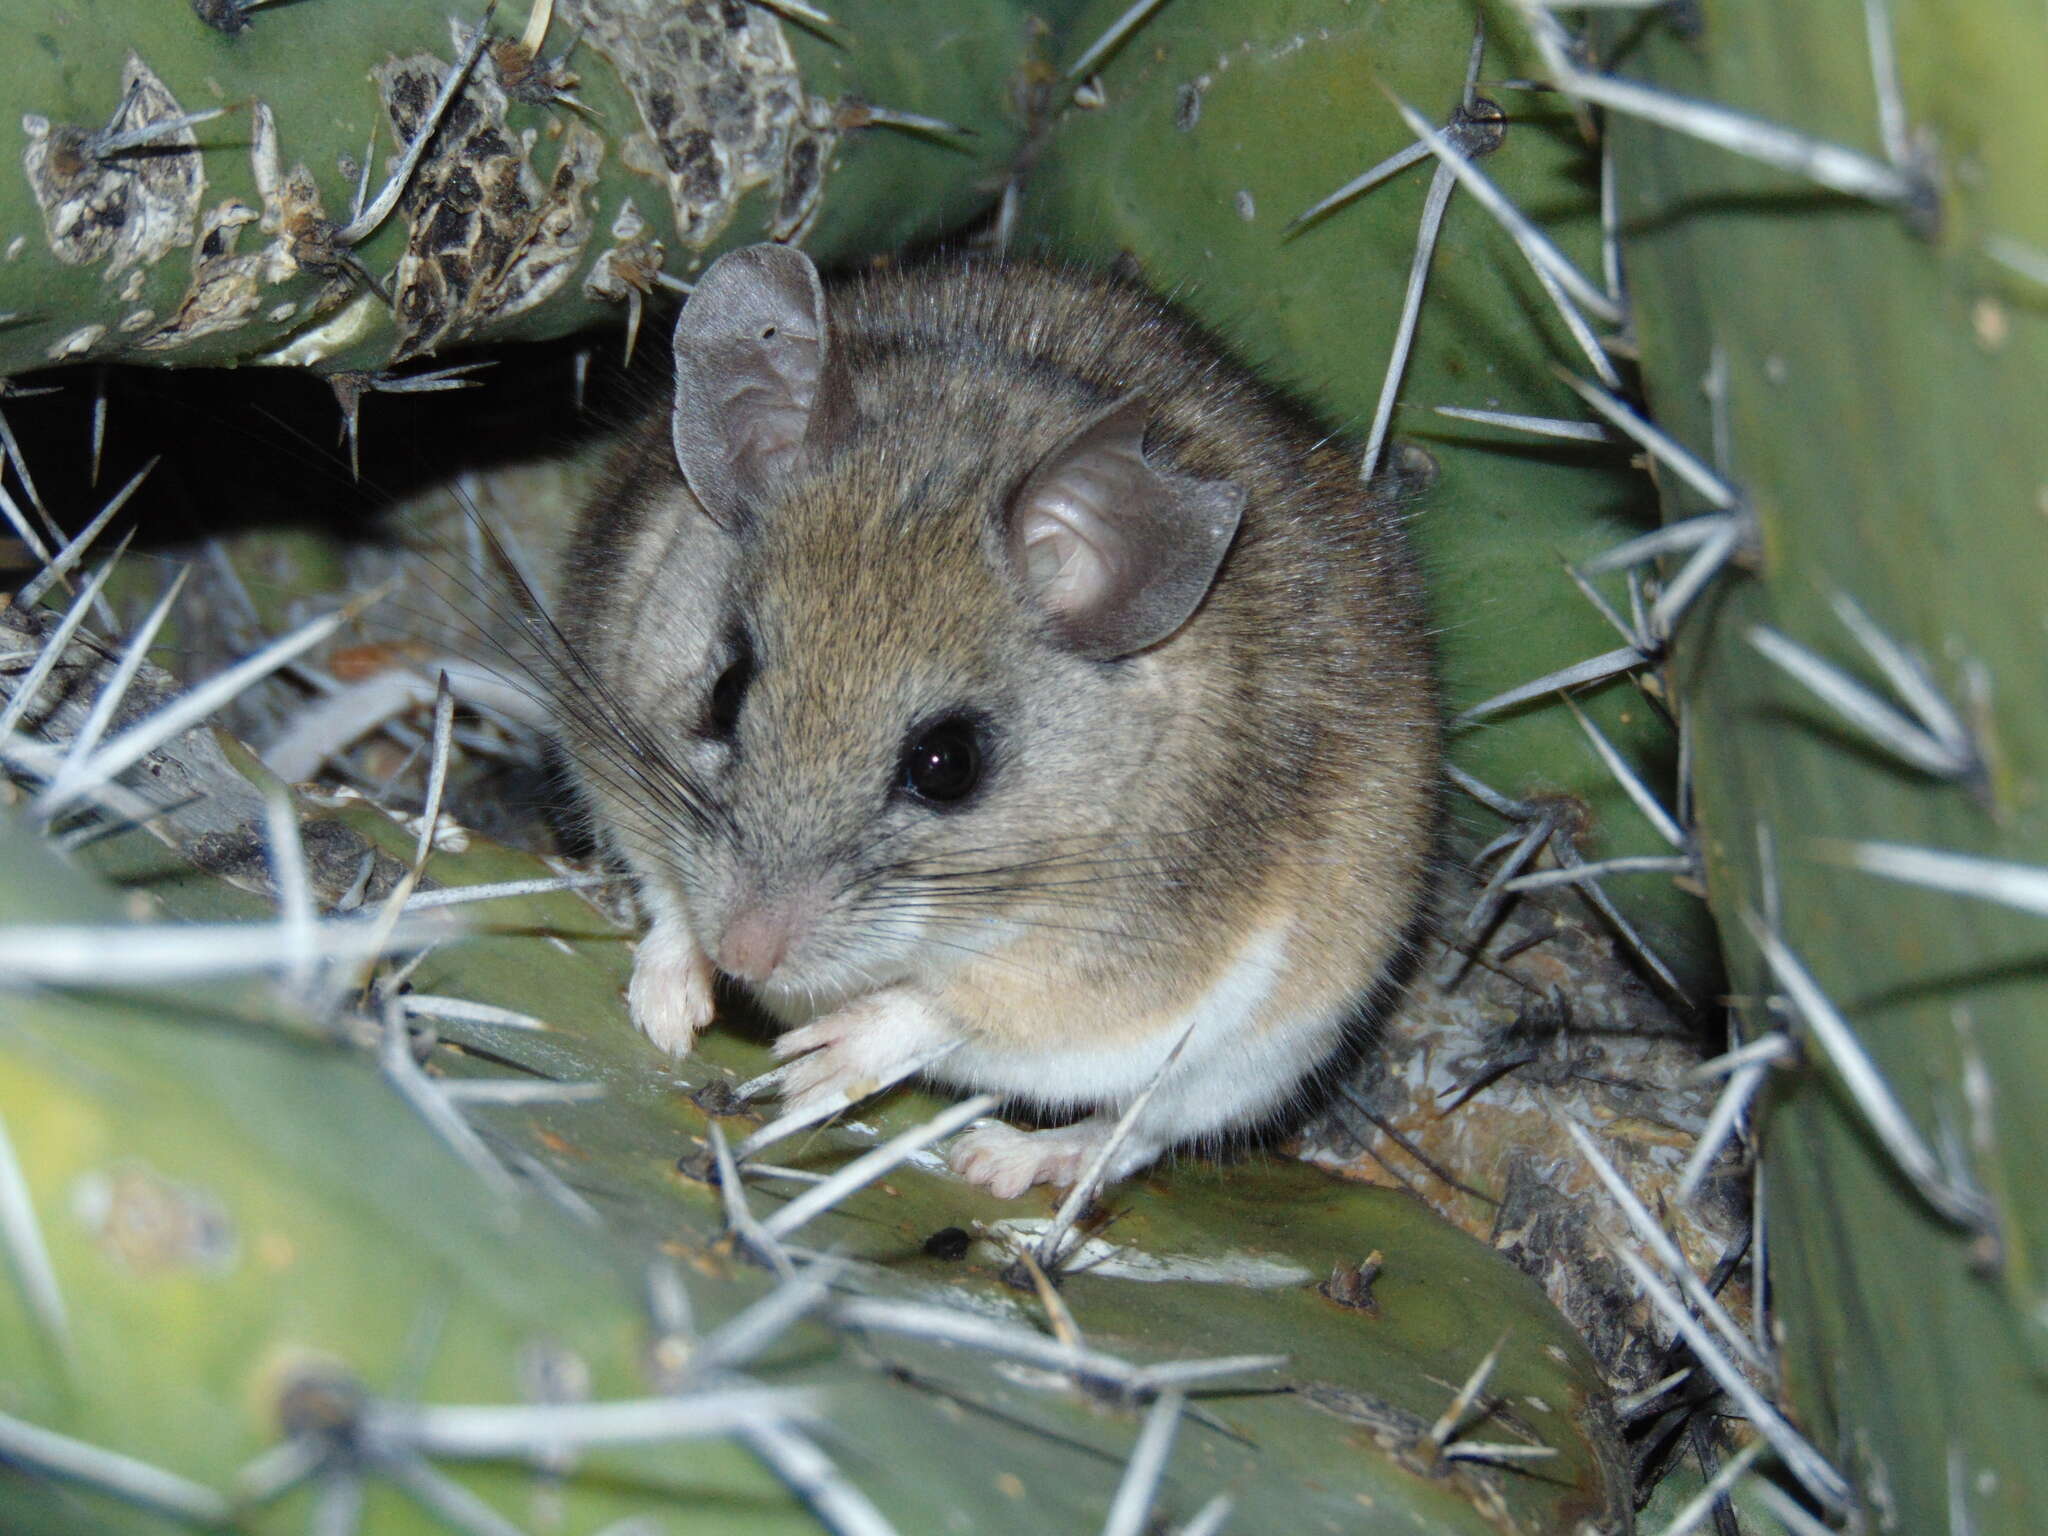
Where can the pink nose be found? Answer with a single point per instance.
(755, 941)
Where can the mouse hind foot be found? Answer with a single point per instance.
(1006, 1161)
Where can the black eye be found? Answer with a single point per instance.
(942, 762)
(722, 713)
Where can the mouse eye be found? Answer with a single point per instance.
(722, 713)
(942, 762)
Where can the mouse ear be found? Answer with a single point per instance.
(753, 385)
(1115, 550)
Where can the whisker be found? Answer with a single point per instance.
(599, 729)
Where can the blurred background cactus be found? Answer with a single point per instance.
(306, 1199)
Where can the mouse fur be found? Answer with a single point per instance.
(859, 521)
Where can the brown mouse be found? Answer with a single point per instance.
(981, 661)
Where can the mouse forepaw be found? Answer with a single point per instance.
(857, 1050)
(670, 994)
(1006, 1161)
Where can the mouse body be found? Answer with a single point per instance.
(985, 670)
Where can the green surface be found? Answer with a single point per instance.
(1886, 392)
(953, 60)
(277, 1207)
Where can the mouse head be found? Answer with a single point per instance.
(943, 657)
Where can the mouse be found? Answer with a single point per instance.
(986, 672)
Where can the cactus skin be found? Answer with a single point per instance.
(187, 297)
(348, 1224)
(1886, 391)
(1222, 122)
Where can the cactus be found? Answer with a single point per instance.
(581, 181)
(1859, 718)
(1882, 370)
(255, 1245)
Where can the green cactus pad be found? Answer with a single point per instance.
(692, 128)
(237, 1214)
(1886, 379)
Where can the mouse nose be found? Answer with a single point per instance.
(755, 941)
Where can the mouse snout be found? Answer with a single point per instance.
(760, 934)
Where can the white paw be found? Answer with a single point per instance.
(1006, 1161)
(856, 1051)
(670, 994)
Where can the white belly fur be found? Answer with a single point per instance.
(1228, 1074)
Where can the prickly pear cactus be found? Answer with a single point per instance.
(335, 1206)
(1870, 375)
(203, 183)
(479, 1278)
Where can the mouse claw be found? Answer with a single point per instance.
(839, 1061)
(856, 1050)
(810, 1037)
(670, 994)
